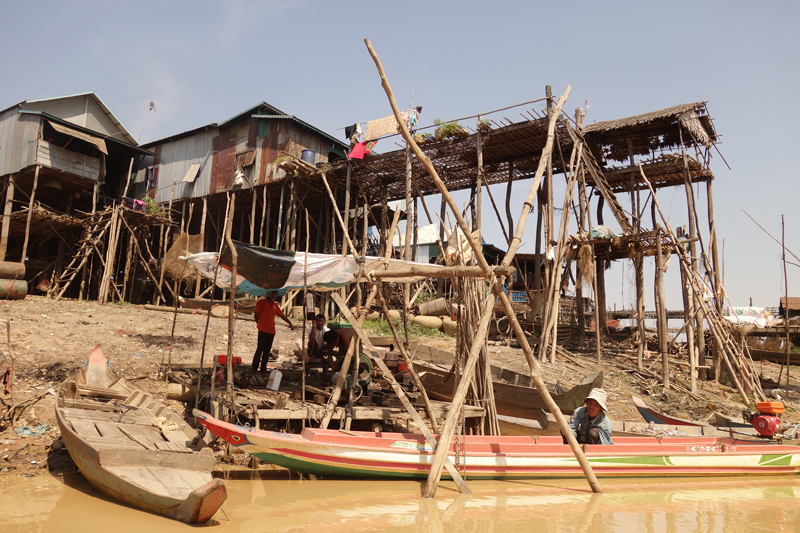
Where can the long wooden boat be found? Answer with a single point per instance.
(111, 430)
(247, 305)
(514, 393)
(399, 455)
(651, 415)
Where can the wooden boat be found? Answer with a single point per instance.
(398, 455)
(514, 393)
(547, 425)
(108, 427)
(775, 356)
(651, 415)
(247, 305)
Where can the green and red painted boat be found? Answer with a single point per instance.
(398, 455)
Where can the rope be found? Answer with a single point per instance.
(163, 424)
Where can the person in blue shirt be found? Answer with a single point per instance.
(589, 423)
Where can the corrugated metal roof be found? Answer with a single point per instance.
(305, 125)
(99, 102)
(278, 114)
(86, 130)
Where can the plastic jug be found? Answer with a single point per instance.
(274, 379)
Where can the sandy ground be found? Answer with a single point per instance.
(51, 339)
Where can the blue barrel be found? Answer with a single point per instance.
(309, 156)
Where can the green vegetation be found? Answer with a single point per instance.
(381, 327)
(151, 207)
(445, 130)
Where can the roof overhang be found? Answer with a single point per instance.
(107, 138)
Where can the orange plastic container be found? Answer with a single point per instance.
(222, 360)
(773, 408)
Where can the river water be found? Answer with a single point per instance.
(259, 502)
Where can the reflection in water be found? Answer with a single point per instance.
(283, 503)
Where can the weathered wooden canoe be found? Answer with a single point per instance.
(514, 393)
(109, 428)
(398, 455)
(247, 305)
(651, 415)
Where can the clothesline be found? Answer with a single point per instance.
(464, 118)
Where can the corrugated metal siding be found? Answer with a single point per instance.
(8, 124)
(98, 120)
(71, 109)
(217, 150)
(174, 161)
(21, 143)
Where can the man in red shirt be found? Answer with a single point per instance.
(265, 312)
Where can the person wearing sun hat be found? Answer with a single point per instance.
(589, 423)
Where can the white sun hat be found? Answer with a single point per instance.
(600, 396)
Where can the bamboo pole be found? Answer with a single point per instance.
(231, 302)
(401, 395)
(715, 325)
(540, 385)
(426, 162)
(30, 213)
(407, 358)
(203, 239)
(459, 395)
(8, 207)
(304, 334)
(545, 394)
(786, 307)
(205, 330)
(661, 310)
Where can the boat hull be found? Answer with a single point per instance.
(367, 455)
(133, 449)
(198, 508)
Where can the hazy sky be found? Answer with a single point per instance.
(207, 61)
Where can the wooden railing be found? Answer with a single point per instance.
(59, 158)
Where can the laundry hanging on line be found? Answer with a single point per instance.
(379, 128)
(361, 149)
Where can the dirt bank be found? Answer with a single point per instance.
(51, 339)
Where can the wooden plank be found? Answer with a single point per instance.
(109, 429)
(102, 393)
(170, 479)
(88, 405)
(137, 438)
(104, 442)
(85, 428)
(106, 416)
(144, 478)
(193, 479)
(177, 437)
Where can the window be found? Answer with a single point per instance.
(151, 177)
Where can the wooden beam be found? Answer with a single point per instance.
(401, 394)
(9, 203)
(435, 271)
(460, 394)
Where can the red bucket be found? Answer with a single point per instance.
(401, 366)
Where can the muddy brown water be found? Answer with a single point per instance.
(267, 502)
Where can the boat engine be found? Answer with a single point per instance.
(766, 419)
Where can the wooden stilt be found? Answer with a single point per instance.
(8, 207)
(484, 265)
(701, 345)
(479, 174)
(401, 395)
(30, 213)
(661, 310)
(638, 265)
(203, 240)
(264, 216)
(253, 216)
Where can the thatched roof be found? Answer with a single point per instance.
(651, 132)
